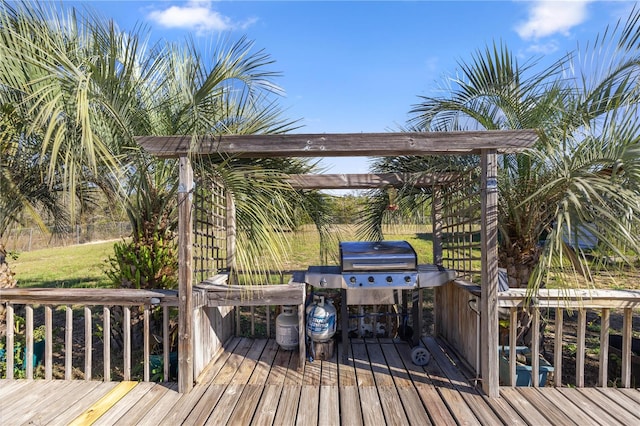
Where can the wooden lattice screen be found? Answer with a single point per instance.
(461, 216)
(209, 223)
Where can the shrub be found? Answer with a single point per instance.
(144, 263)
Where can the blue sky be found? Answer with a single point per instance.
(359, 66)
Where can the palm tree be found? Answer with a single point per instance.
(581, 179)
(85, 88)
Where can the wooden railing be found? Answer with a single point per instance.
(217, 309)
(86, 299)
(458, 322)
(579, 301)
(215, 298)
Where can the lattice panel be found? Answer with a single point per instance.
(461, 214)
(209, 221)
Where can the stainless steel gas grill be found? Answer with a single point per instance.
(382, 264)
(376, 273)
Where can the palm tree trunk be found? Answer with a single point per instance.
(519, 263)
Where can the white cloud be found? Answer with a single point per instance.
(544, 48)
(198, 16)
(548, 17)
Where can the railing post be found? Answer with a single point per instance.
(165, 342)
(513, 332)
(557, 347)
(126, 335)
(581, 346)
(29, 340)
(48, 342)
(626, 347)
(146, 336)
(605, 322)
(68, 343)
(10, 341)
(88, 343)
(535, 347)
(106, 341)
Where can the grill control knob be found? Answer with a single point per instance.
(352, 280)
(407, 279)
(389, 279)
(371, 279)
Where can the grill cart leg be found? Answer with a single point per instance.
(419, 354)
(344, 314)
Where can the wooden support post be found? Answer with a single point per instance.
(489, 282)
(185, 277)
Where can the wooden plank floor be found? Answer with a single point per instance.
(254, 382)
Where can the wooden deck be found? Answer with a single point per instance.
(253, 382)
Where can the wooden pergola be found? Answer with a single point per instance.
(486, 144)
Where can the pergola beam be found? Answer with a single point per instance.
(367, 181)
(340, 144)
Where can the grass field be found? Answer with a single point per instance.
(83, 265)
(70, 266)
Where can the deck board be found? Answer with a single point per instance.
(243, 412)
(483, 412)
(558, 400)
(634, 394)
(588, 407)
(254, 382)
(308, 406)
(146, 403)
(621, 414)
(124, 405)
(288, 405)
(73, 410)
(266, 411)
(160, 409)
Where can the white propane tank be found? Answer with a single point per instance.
(287, 328)
(321, 320)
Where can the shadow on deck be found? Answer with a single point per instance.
(254, 382)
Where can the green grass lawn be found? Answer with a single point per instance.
(71, 266)
(83, 265)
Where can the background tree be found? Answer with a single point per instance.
(581, 178)
(84, 88)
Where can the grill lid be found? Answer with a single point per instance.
(377, 256)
